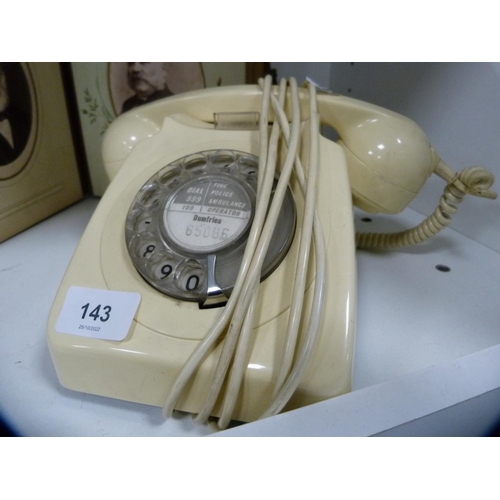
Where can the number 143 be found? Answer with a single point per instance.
(96, 312)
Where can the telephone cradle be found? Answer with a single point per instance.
(158, 262)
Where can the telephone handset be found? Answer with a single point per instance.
(192, 178)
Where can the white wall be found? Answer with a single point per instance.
(455, 103)
(319, 72)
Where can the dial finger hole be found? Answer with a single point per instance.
(145, 248)
(168, 178)
(143, 223)
(223, 161)
(195, 163)
(191, 276)
(163, 271)
(247, 166)
(132, 218)
(149, 196)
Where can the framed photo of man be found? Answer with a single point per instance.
(133, 84)
(38, 168)
(106, 90)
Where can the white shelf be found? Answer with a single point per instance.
(427, 341)
(412, 316)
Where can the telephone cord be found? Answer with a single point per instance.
(284, 391)
(309, 189)
(290, 384)
(240, 360)
(295, 376)
(206, 344)
(244, 309)
(471, 180)
(290, 376)
(258, 259)
(240, 363)
(238, 317)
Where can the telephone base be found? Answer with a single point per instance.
(140, 378)
(143, 366)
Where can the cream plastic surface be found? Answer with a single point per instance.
(143, 367)
(389, 155)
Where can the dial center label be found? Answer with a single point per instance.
(207, 215)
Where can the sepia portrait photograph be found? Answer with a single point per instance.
(136, 83)
(17, 118)
(106, 90)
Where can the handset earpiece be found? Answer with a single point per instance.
(119, 140)
(389, 156)
(389, 159)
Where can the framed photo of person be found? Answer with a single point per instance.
(38, 169)
(106, 90)
(134, 84)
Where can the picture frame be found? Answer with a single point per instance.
(102, 88)
(39, 172)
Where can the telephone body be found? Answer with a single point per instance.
(389, 158)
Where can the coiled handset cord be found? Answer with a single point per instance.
(472, 180)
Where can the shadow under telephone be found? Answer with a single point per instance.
(193, 176)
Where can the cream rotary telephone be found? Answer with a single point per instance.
(217, 275)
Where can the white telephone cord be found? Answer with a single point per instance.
(254, 272)
(471, 180)
(259, 255)
(309, 189)
(290, 384)
(290, 375)
(240, 357)
(218, 328)
(239, 333)
(242, 300)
